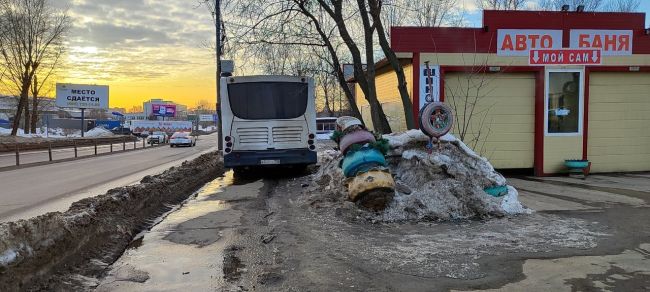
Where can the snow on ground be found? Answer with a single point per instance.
(325, 136)
(441, 184)
(208, 128)
(57, 133)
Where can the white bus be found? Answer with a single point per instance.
(268, 120)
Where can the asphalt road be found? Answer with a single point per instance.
(32, 191)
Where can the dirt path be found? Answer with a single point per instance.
(331, 249)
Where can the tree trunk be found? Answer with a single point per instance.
(24, 92)
(34, 106)
(379, 121)
(26, 129)
(375, 11)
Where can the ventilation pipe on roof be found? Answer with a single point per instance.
(580, 8)
(565, 7)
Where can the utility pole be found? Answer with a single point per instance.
(217, 22)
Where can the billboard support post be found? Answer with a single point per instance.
(83, 110)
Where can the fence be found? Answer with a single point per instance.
(50, 151)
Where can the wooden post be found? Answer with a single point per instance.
(95, 146)
(17, 155)
(75, 148)
(144, 144)
(124, 144)
(134, 141)
(49, 150)
(111, 146)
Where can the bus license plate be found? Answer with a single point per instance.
(269, 162)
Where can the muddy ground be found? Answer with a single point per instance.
(287, 243)
(60, 251)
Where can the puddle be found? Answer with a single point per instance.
(628, 271)
(195, 231)
(185, 250)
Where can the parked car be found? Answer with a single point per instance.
(182, 139)
(158, 137)
(121, 131)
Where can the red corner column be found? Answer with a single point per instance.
(416, 88)
(538, 162)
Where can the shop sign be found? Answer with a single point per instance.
(611, 42)
(429, 83)
(518, 42)
(565, 57)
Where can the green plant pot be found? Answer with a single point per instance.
(496, 191)
(576, 163)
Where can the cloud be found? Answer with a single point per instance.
(136, 39)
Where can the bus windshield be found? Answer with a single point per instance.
(268, 100)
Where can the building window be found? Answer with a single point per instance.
(564, 102)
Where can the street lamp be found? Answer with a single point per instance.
(217, 22)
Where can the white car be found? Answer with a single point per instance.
(158, 137)
(182, 139)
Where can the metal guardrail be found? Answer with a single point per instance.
(79, 147)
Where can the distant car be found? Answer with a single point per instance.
(158, 137)
(182, 139)
(121, 131)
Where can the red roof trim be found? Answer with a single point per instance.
(480, 40)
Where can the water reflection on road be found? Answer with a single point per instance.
(185, 250)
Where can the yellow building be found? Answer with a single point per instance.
(532, 89)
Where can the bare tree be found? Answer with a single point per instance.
(407, 104)
(432, 13)
(501, 4)
(136, 109)
(590, 5)
(41, 83)
(30, 29)
(204, 107)
(623, 5)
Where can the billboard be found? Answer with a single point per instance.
(163, 110)
(207, 118)
(82, 96)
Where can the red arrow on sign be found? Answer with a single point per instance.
(565, 57)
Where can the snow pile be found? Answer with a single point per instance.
(444, 185)
(56, 133)
(98, 132)
(209, 129)
(20, 133)
(93, 230)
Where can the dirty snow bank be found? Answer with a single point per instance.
(58, 133)
(42, 252)
(444, 185)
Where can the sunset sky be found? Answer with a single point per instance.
(147, 49)
(142, 49)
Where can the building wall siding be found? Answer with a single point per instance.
(504, 115)
(619, 122)
(388, 95)
(560, 148)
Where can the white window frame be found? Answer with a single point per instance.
(581, 97)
